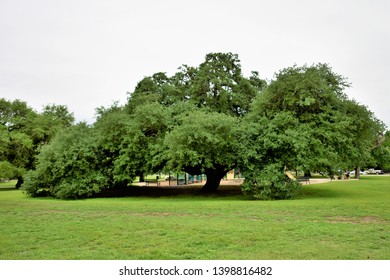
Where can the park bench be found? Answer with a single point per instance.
(304, 179)
(152, 181)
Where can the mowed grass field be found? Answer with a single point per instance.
(336, 220)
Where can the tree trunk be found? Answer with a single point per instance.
(357, 173)
(141, 177)
(214, 178)
(19, 182)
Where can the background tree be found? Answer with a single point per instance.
(23, 131)
(154, 89)
(367, 135)
(17, 138)
(381, 153)
(51, 120)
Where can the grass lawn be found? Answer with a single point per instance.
(337, 220)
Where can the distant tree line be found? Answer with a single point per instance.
(208, 120)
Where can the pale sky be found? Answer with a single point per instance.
(87, 54)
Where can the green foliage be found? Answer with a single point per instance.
(218, 85)
(304, 121)
(80, 160)
(83, 160)
(141, 147)
(67, 168)
(8, 170)
(366, 133)
(155, 89)
(15, 115)
(109, 131)
(208, 120)
(53, 119)
(23, 131)
(381, 153)
(270, 182)
(16, 133)
(198, 142)
(201, 141)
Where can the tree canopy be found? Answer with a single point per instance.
(23, 131)
(208, 120)
(304, 121)
(204, 143)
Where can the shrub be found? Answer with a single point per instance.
(270, 183)
(68, 167)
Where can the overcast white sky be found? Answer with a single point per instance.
(87, 54)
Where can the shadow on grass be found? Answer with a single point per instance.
(327, 191)
(224, 191)
(173, 191)
(2, 189)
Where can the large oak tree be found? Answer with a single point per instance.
(191, 96)
(210, 119)
(304, 121)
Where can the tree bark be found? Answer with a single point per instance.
(357, 173)
(19, 182)
(213, 181)
(141, 177)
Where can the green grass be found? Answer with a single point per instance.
(337, 220)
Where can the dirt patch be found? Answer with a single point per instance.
(158, 214)
(355, 220)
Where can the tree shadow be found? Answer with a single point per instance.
(4, 189)
(171, 191)
(312, 193)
